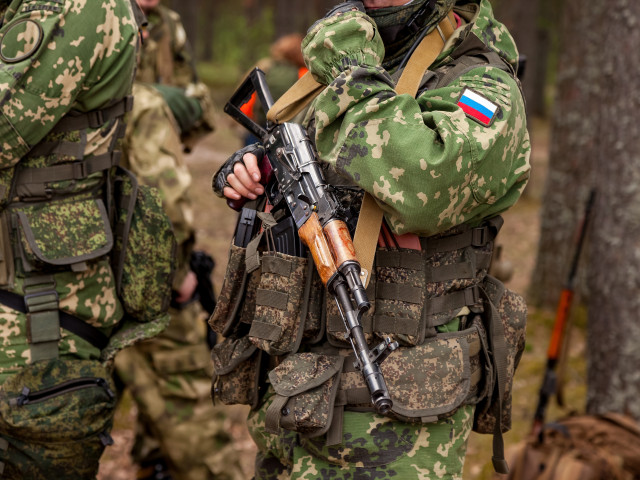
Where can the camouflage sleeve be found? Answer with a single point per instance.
(186, 76)
(50, 53)
(153, 152)
(429, 164)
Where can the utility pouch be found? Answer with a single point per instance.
(231, 294)
(7, 268)
(61, 233)
(236, 365)
(400, 296)
(306, 385)
(511, 310)
(314, 324)
(52, 410)
(429, 381)
(282, 300)
(144, 259)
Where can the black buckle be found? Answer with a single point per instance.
(96, 119)
(479, 237)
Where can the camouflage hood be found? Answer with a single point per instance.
(479, 20)
(391, 20)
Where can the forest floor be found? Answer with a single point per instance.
(518, 238)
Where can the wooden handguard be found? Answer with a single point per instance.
(313, 237)
(340, 242)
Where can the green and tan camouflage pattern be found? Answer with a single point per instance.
(309, 382)
(373, 446)
(167, 58)
(431, 380)
(153, 152)
(276, 326)
(512, 310)
(59, 57)
(56, 437)
(230, 290)
(429, 165)
(235, 372)
(65, 230)
(169, 377)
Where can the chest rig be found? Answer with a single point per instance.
(438, 302)
(57, 174)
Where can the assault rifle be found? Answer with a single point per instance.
(297, 183)
(549, 384)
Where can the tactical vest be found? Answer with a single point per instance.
(461, 332)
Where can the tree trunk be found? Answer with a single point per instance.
(614, 280)
(572, 145)
(596, 140)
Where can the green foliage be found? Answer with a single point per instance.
(237, 42)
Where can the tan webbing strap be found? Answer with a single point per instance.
(306, 89)
(295, 99)
(370, 218)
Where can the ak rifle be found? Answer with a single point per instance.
(296, 181)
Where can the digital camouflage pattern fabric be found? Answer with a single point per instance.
(436, 170)
(373, 446)
(60, 60)
(83, 61)
(169, 375)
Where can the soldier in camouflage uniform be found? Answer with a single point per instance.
(67, 292)
(179, 430)
(442, 166)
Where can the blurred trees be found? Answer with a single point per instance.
(595, 140)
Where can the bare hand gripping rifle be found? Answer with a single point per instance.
(297, 181)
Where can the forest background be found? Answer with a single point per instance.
(583, 122)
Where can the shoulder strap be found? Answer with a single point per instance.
(306, 89)
(370, 218)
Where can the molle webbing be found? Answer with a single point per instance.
(94, 118)
(31, 182)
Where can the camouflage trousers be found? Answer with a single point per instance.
(169, 377)
(373, 447)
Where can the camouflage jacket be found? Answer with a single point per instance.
(167, 59)
(430, 164)
(58, 58)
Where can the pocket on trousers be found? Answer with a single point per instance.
(306, 385)
(236, 365)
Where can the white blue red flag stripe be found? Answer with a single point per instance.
(478, 107)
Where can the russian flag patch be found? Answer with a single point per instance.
(477, 107)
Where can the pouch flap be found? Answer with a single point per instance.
(65, 232)
(433, 378)
(230, 353)
(304, 371)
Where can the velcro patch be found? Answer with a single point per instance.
(21, 40)
(478, 107)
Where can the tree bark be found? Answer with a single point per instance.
(614, 270)
(595, 143)
(573, 139)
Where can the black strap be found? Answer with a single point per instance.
(73, 324)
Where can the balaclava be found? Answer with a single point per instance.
(392, 25)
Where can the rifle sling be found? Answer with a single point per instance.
(306, 89)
